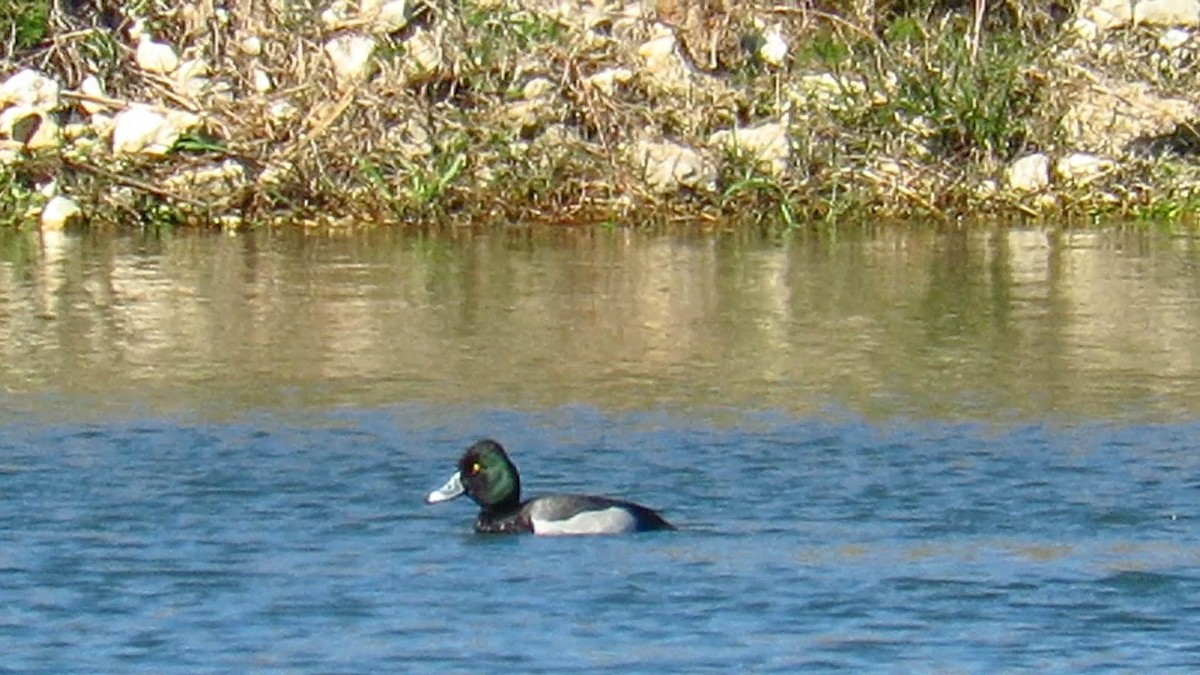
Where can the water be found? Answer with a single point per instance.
(213, 453)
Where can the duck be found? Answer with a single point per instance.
(488, 476)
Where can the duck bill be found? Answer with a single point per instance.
(453, 488)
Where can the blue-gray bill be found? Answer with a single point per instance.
(453, 488)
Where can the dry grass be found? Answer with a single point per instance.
(940, 102)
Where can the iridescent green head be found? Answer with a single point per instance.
(486, 475)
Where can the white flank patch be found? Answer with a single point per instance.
(613, 520)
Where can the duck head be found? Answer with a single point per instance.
(486, 475)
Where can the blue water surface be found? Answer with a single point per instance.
(298, 541)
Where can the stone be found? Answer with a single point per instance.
(283, 111)
(262, 80)
(1109, 117)
(384, 16)
(155, 57)
(191, 77)
(767, 144)
(30, 89)
(1030, 173)
(139, 130)
(90, 86)
(102, 124)
(826, 90)
(424, 56)
(774, 48)
(662, 64)
(525, 114)
(537, 87)
(351, 57)
(10, 151)
(1109, 14)
(212, 182)
(338, 14)
(59, 212)
(411, 139)
(986, 189)
(606, 80)
(1082, 168)
(1085, 29)
(33, 128)
(1174, 38)
(667, 166)
(251, 45)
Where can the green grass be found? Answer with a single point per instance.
(26, 23)
(16, 199)
(974, 109)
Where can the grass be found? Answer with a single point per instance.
(916, 121)
(25, 24)
(16, 198)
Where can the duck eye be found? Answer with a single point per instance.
(476, 467)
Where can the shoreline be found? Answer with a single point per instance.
(595, 113)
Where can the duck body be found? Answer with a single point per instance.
(572, 514)
(488, 476)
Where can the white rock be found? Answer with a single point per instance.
(768, 144)
(660, 46)
(826, 90)
(31, 89)
(91, 87)
(1045, 201)
(667, 167)
(251, 45)
(606, 81)
(351, 56)
(102, 124)
(59, 212)
(156, 57)
(10, 152)
(662, 63)
(424, 57)
(411, 139)
(33, 127)
(191, 77)
(191, 69)
(525, 113)
(1111, 116)
(227, 175)
(283, 111)
(137, 30)
(1082, 168)
(1030, 173)
(774, 49)
(1115, 13)
(76, 130)
(537, 87)
(1085, 29)
(1174, 38)
(986, 189)
(384, 16)
(262, 81)
(140, 130)
(275, 174)
(337, 14)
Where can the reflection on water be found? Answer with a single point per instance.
(911, 322)
(960, 451)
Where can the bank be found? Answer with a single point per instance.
(575, 111)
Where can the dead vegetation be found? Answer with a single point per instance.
(499, 110)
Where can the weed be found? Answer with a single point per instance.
(25, 23)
